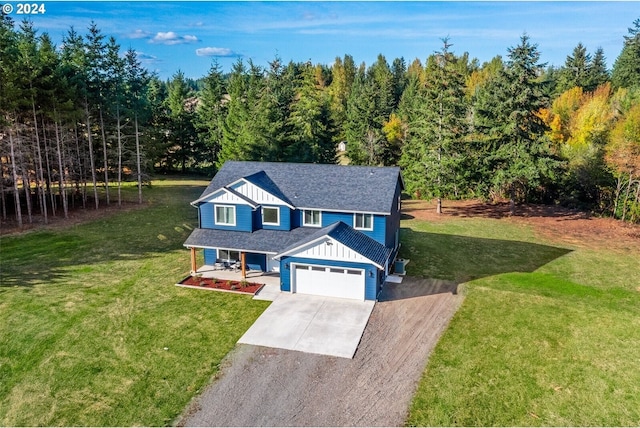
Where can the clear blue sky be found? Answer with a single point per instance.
(172, 35)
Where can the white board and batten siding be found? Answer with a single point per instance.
(329, 249)
(225, 197)
(257, 194)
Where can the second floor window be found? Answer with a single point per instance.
(271, 216)
(311, 218)
(225, 215)
(363, 221)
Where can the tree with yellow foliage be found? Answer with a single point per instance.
(623, 156)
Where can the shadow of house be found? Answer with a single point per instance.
(447, 260)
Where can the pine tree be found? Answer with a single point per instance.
(184, 150)
(434, 148)
(626, 69)
(516, 151)
(312, 131)
(598, 73)
(576, 70)
(212, 111)
(137, 81)
(343, 73)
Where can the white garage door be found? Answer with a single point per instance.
(328, 281)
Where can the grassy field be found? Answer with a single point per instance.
(92, 329)
(548, 334)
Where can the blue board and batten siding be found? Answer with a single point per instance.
(372, 284)
(210, 256)
(284, 217)
(330, 217)
(244, 218)
(393, 220)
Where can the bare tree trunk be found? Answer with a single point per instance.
(51, 194)
(617, 196)
(139, 166)
(104, 151)
(42, 198)
(626, 198)
(14, 173)
(83, 178)
(61, 188)
(119, 155)
(3, 202)
(91, 159)
(512, 200)
(26, 186)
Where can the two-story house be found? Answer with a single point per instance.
(328, 230)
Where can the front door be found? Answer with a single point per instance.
(272, 265)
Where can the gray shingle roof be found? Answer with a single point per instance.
(354, 239)
(321, 186)
(262, 240)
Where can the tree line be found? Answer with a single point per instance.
(84, 118)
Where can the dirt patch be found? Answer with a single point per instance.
(551, 222)
(260, 386)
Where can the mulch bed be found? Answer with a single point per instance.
(221, 285)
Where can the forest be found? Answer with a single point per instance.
(79, 120)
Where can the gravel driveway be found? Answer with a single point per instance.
(260, 386)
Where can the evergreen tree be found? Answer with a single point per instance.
(272, 136)
(137, 86)
(576, 70)
(516, 151)
(626, 69)
(184, 149)
(362, 127)
(239, 125)
(212, 111)
(343, 73)
(434, 148)
(312, 131)
(598, 73)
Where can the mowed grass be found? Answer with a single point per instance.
(548, 335)
(93, 331)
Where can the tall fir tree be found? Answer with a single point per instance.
(312, 130)
(212, 111)
(576, 70)
(626, 69)
(433, 153)
(516, 151)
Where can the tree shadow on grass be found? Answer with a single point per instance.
(449, 260)
(48, 257)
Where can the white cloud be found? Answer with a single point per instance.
(212, 51)
(139, 34)
(172, 38)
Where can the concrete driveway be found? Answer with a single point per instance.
(313, 324)
(259, 386)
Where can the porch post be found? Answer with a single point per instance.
(242, 265)
(194, 266)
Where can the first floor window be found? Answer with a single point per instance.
(363, 221)
(228, 255)
(311, 218)
(226, 215)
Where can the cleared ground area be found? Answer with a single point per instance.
(260, 386)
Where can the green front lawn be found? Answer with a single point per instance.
(547, 335)
(93, 330)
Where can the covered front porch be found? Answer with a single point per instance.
(211, 271)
